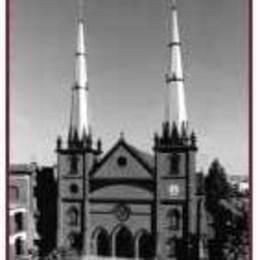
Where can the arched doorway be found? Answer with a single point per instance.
(123, 242)
(144, 245)
(101, 242)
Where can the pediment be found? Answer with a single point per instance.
(123, 162)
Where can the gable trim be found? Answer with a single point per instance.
(127, 147)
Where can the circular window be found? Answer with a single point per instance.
(122, 212)
(121, 161)
(74, 188)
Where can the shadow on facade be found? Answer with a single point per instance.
(46, 193)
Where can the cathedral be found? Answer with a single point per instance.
(127, 203)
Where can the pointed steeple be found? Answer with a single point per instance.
(175, 104)
(81, 63)
(79, 111)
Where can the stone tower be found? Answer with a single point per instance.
(75, 159)
(175, 151)
(176, 192)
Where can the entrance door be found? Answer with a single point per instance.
(124, 243)
(103, 248)
(145, 246)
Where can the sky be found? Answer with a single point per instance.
(127, 58)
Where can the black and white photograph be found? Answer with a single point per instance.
(129, 130)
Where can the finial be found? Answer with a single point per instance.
(122, 135)
(99, 145)
(84, 135)
(184, 134)
(84, 138)
(75, 136)
(175, 134)
(70, 135)
(156, 139)
(89, 140)
(193, 139)
(166, 132)
(183, 129)
(172, 4)
(59, 142)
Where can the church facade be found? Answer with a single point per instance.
(127, 203)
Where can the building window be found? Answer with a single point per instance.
(101, 238)
(19, 246)
(74, 188)
(74, 164)
(14, 193)
(18, 220)
(173, 219)
(121, 161)
(122, 212)
(73, 216)
(174, 164)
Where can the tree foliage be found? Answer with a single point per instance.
(216, 186)
(230, 223)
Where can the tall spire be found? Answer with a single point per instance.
(175, 105)
(79, 112)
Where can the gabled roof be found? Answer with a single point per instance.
(145, 159)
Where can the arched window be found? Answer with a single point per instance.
(74, 164)
(124, 246)
(73, 216)
(145, 246)
(102, 242)
(18, 220)
(173, 219)
(19, 246)
(175, 161)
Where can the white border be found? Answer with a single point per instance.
(2, 131)
(256, 128)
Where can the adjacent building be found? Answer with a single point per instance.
(22, 211)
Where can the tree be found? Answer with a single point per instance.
(217, 189)
(216, 186)
(229, 220)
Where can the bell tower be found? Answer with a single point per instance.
(76, 158)
(175, 153)
(175, 159)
